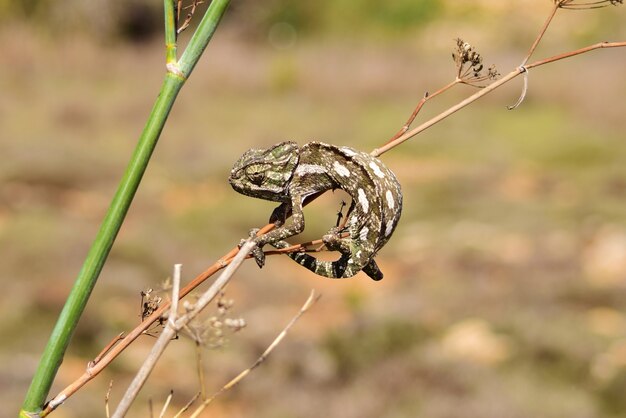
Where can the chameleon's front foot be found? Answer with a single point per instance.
(257, 251)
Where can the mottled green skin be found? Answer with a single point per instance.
(287, 173)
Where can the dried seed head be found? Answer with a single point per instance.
(470, 65)
(149, 303)
(213, 331)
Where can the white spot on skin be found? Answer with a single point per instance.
(389, 229)
(348, 151)
(376, 169)
(341, 169)
(363, 233)
(303, 169)
(363, 200)
(390, 200)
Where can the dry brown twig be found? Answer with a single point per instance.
(106, 399)
(401, 136)
(166, 404)
(192, 10)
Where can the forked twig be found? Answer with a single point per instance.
(172, 327)
(542, 32)
(106, 349)
(488, 89)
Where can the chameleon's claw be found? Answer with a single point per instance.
(257, 252)
(259, 256)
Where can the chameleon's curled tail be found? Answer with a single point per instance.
(340, 269)
(344, 267)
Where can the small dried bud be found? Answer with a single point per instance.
(235, 324)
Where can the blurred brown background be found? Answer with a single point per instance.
(505, 282)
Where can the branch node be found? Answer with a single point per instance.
(174, 68)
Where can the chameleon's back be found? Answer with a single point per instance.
(376, 194)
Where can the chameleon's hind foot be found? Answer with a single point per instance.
(333, 241)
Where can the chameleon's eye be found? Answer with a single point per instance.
(255, 177)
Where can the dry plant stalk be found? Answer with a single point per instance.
(106, 399)
(468, 72)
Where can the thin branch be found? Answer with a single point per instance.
(187, 405)
(168, 400)
(599, 45)
(542, 32)
(106, 399)
(307, 305)
(421, 103)
(200, 368)
(107, 348)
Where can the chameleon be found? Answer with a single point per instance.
(288, 174)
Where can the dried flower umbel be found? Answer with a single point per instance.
(580, 5)
(469, 65)
(212, 332)
(150, 302)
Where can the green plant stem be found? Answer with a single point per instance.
(87, 277)
(68, 319)
(170, 31)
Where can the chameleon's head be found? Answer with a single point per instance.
(265, 173)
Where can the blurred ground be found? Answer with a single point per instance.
(504, 283)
